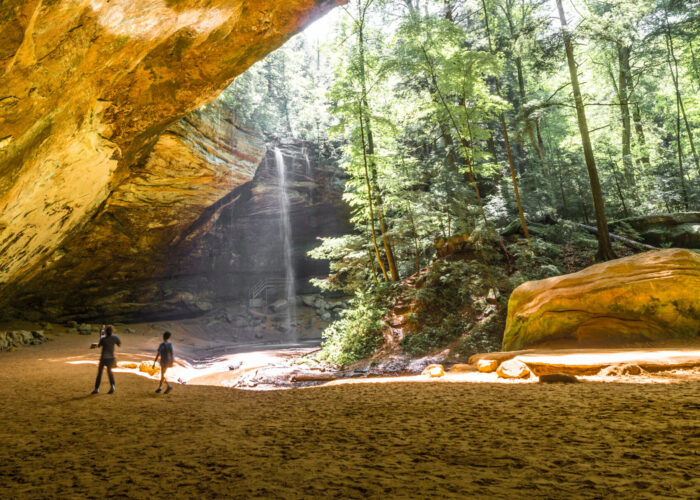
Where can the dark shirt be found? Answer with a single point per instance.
(107, 344)
(165, 349)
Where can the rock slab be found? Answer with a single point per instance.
(645, 297)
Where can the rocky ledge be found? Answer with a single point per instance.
(89, 97)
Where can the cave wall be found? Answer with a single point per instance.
(198, 222)
(88, 89)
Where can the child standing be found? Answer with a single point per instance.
(107, 358)
(167, 356)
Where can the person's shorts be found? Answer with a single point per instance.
(164, 366)
(110, 363)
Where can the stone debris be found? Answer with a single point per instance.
(149, 368)
(10, 340)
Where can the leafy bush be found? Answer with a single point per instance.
(430, 337)
(358, 333)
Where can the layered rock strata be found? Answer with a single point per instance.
(86, 90)
(650, 296)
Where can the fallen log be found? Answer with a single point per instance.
(627, 241)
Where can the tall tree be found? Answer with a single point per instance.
(605, 251)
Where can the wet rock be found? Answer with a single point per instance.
(309, 300)
(513, 369)
(240, 322)
(279, 305)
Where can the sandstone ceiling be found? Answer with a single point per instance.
(86, 90)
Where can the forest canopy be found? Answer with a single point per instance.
(462, 116)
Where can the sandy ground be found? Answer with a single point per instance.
(392, 439)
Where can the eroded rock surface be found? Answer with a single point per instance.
(110, 264)
(648, 296)
(87, 89)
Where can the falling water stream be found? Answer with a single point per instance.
(290, 292)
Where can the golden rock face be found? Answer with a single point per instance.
(646, 297)
(86, 90)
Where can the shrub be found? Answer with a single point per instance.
(358, 333)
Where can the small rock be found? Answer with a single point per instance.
(326, 316)
(513, 368)
(129, 330)
(487, 365)
(620, 370)
(433, 371)
(462, 368)
(72, 324)
(308, 300)
(279, 305)
(558, 378)
(84, 329)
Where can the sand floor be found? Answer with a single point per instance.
(400, 439)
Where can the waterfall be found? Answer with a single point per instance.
(308, 163)
(285, 224)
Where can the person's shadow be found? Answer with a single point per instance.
(78, 398)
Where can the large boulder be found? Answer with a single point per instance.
(645, 297)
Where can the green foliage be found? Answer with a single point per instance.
(358, 333)
(407, 96)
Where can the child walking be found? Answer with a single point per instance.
(167, 356)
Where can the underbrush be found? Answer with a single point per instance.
(460, 303)
(358, 332)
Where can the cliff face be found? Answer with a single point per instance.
(87, 88)
(245, 244)
(197, 221)
(87, 92)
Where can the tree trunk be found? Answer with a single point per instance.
(370, 153)
(641, 139)
(680, 151)
(619, 189)
(506, 141)
(605, 251)
(623, 56)
(671, 56)
(369, 195)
